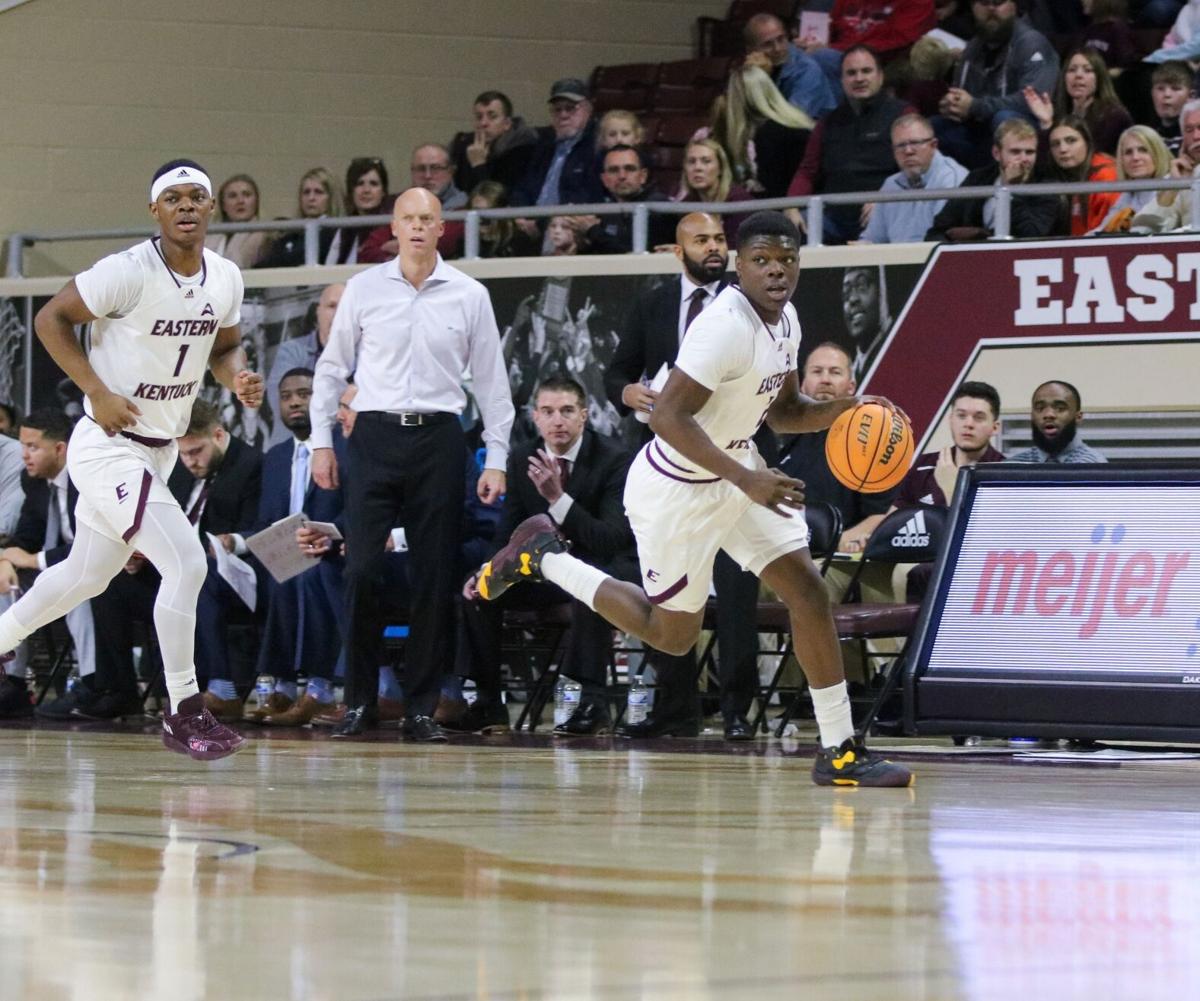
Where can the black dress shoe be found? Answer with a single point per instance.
(357, 721)
(66, 705)
(15, 698)
(589, 720)
(738, 728)
(422, 729)
(109, 705)
(481, 717)
(654, 726)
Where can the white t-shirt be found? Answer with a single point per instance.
(730, 350)
(155, 330)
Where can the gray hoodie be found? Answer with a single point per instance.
(996, 83)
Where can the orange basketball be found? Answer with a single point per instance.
(869, 448)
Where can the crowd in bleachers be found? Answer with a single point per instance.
(810, 104)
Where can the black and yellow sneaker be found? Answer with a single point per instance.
(853, 765)
(521, 559)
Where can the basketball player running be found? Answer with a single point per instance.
(161, 313)
(700, 486)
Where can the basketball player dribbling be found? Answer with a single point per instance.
(162, 313)
(700, 486)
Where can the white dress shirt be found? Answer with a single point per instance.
(686, 288)
(411, 349)
(558, 510)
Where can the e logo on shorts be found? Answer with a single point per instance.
(122, 493)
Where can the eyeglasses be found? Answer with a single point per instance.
(911, 144)
(429, 168)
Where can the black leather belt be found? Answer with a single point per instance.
(408, 418)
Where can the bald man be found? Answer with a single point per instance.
(650, 341)
(408, 330)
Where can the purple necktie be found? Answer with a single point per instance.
(695, 304)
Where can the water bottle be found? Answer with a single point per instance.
(637, 703)
(560, 716)
(263, 688)
(469, 692)
(572, 696)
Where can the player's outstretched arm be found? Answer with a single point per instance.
(55, 325)
(229, 367)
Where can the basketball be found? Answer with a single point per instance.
(869, 448)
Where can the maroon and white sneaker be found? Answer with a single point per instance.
(194, 731)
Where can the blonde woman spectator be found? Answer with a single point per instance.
(237, 201)
(1141, 155)
(318, 197)
(560, 238)
(762, 134)
(707, 177)
(620, 128)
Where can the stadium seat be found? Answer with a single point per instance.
(627, 86)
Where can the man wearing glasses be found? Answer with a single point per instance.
(922, 166)
(1006, 55)
(431, 169)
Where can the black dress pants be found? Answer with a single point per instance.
(413, 477)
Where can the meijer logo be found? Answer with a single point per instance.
(1091, 585)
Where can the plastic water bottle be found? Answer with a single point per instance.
(567, 695)
(637, 702)
(469, 692)
(263, 688)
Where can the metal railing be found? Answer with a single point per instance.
(812, 205)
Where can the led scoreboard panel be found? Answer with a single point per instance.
(1066, 602)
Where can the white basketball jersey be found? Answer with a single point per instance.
(156, 329)
(731, 351)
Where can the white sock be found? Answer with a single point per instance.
(832, 708)
(574, 576)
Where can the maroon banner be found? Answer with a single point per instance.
(1068, 292)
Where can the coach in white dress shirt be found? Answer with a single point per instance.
(409, 331)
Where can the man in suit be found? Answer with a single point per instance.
(218, 481)
(301, 635)
(578, 478)
(43, 535)
(650, 342)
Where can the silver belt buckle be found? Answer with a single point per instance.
(410, 420)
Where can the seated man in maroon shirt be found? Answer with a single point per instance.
(974, 419)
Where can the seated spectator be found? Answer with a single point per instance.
(707, 177)
(620, 128)
(763, 135)
(1072, 160)
(1084, 90)
(1155, 13)
(561, 238)
(922, 166)
(1170, 89)
(1056, 413)
(10, 419)
(625, 176)
(1171, 210)
(1005, 56)
(1109, 34)
(499, 147)
(798, 77)
(1141, 155)
(367, 191)
(430, 169)
(930, 63)
(42, 537)
(887, 27)
(499, 237)
(563, 167)
(1015, 154)
(237, 201)
(301, 352)
(850, 149)
(577, 477)
(318, 197)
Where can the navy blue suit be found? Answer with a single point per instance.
(304, 615)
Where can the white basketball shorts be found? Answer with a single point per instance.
(680, 525)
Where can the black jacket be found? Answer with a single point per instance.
(30, 533)
(1031, 216)
(507, 161)
(596, 524)
(613, 234)
(579, 182)
(234, 490)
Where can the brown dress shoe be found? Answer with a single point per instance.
(276, 703)
(226, 710)
(301, 713)
(331, 716)
(390, 710)
(449, 710)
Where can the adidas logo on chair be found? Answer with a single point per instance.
(913, 533)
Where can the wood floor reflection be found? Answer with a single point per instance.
(307, 869)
